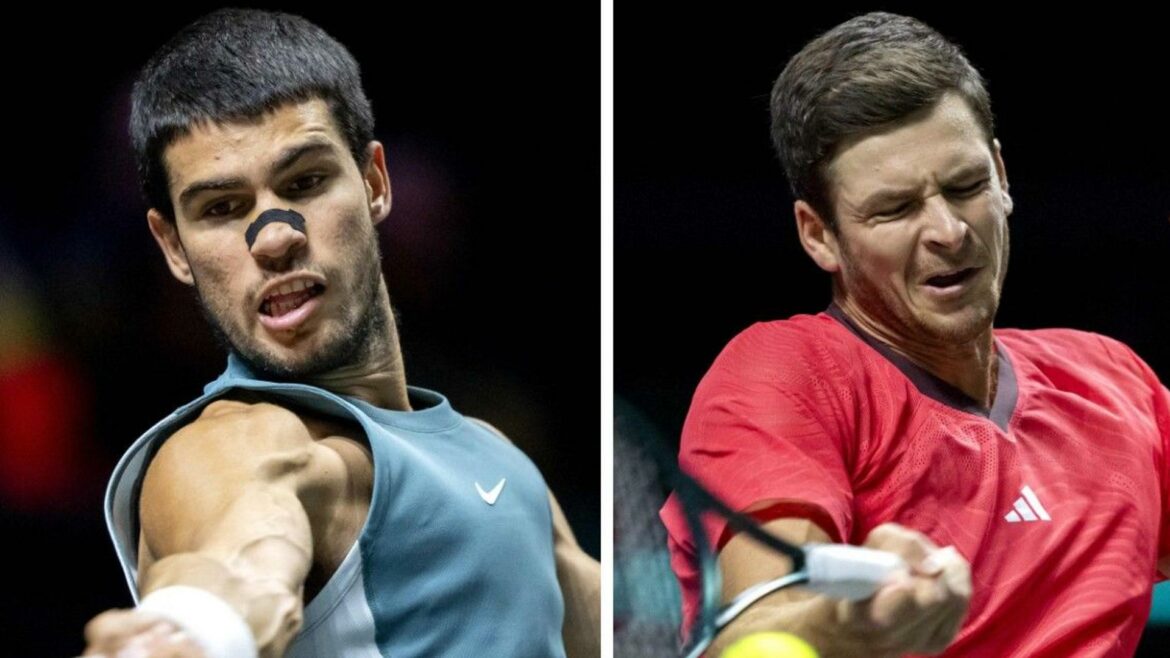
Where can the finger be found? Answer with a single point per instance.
(927, 629)
(890, 605)
(161, 642)
(925, 613)
(913, 546)
(900, 625)
(950, 579)
(114, 624)
(948, 622)
(956, 577)
(955, 571)
(146, 643)
(945, 599)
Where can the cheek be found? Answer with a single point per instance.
(219, 278)
(214, 262)
(992, 232)
(345, 214)
(886, 253)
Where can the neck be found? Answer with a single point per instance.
(381, 381)
(379, 377)
(971, 366)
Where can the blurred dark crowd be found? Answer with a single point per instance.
(491, 120)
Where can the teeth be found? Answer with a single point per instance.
(286, 297)
(291, 287)
(272, 304)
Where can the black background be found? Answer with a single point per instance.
(492, 124)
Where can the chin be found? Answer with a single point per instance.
(272, 359)
(963, 326)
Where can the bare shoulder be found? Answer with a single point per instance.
(232, 440)
(242, 427)
(241, 450)
(228, 447)
(251, 439)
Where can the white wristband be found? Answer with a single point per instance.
(213, 624)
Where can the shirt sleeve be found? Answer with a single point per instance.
(1159, 401)
(1161, 408)
(765, 436)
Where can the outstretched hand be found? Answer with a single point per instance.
(137, 634)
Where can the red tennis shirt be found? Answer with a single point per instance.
(1056, 495)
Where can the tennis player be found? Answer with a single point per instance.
(1022, 475)
(310, 503)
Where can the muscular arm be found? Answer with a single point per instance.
(226, 506)
(919, 614)
(579, 576)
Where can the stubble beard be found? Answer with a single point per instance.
(883, 305)
(359, 337)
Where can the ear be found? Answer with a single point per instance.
(377, 182)
(818, 240)
(1003, 181)
(166, 234)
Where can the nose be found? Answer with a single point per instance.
(277, 244)
(945, 230)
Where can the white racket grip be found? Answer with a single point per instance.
(850, 572)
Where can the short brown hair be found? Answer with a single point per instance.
(868, 72)
(236, 64)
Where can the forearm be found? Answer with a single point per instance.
(812, 618)
(255, 557)
(580, 579)
(917, 611)
(270, 608)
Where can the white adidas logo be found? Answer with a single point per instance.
(1027, 508)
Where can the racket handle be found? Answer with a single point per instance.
(849, 572)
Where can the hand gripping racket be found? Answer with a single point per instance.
(642, 466)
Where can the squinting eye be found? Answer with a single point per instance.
(970, 189)
(894, 212)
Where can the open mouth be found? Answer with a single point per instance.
(289, 297)
(953, 279)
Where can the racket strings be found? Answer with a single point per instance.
(647, 604)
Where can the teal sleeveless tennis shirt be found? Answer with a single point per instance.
(455, 559)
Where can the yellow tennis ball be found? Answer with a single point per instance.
(770, 645)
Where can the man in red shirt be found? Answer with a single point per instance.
(1021, 474)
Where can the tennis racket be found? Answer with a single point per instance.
(646, 601)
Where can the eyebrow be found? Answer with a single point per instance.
(968, 171)
(213, 184)
(289, 157)
(882, 197)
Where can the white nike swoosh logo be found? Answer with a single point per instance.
(490, 497)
